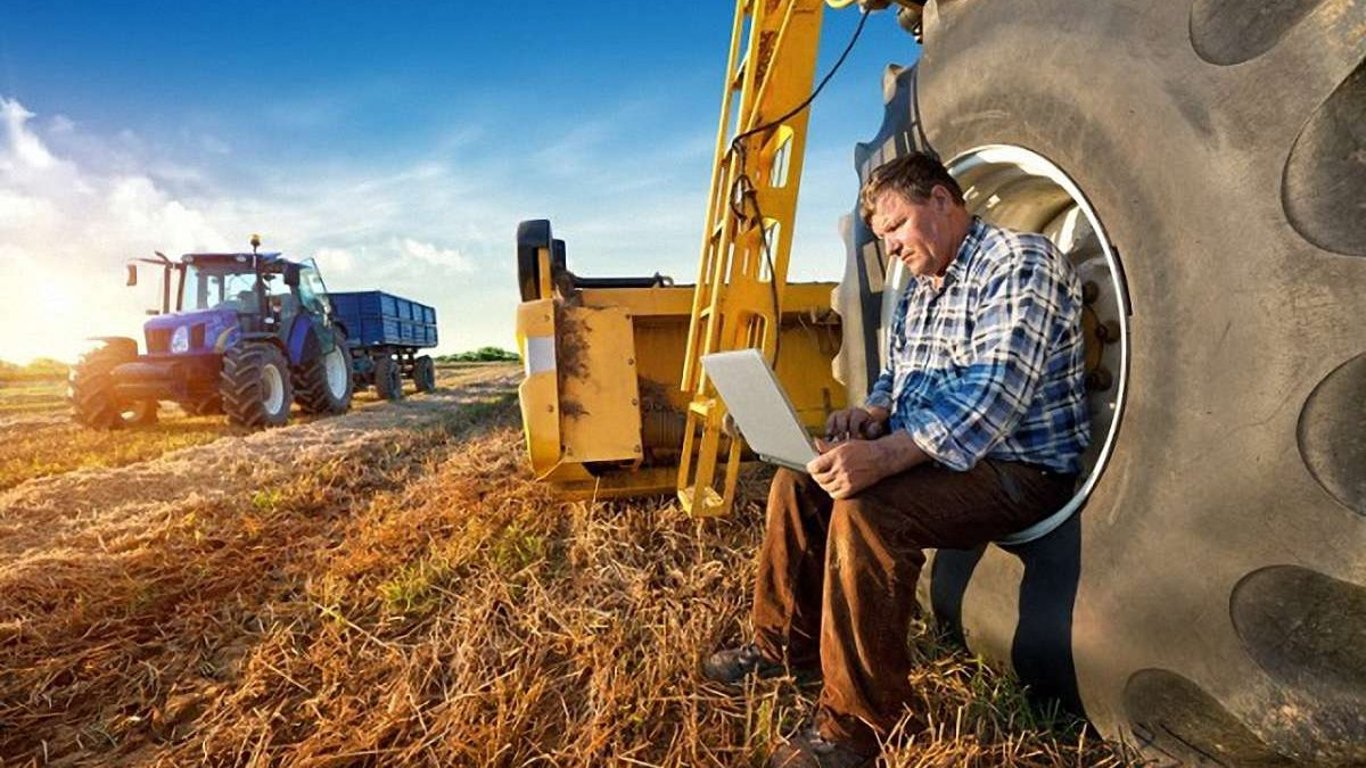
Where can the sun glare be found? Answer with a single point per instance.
(57, 322)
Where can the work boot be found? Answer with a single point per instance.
(808, 749)
(733, 665)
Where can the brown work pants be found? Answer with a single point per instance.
(837, 579)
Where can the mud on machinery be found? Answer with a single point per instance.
(1202, 597)
(245, 334)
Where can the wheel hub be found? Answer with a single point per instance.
(337, 372)
(273, 386)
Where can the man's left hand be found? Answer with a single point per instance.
(843, 469)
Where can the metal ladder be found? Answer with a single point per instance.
(751, 212)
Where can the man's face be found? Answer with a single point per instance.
(919, 235)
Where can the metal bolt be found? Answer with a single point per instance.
(1108, 332)
(630, 361)
(635, 401)
(1099, 380)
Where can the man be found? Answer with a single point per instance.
(972, 432)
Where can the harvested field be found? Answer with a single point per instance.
(389, 588)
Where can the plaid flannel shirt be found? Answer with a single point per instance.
(992, 363)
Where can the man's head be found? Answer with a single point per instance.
(916, 208)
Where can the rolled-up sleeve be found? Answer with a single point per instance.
(881, 396)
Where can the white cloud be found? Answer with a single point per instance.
(61, 124)
(336, 260)
(65, 233)
(446, 258)
(24, 149)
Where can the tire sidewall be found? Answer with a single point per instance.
(1235, 320)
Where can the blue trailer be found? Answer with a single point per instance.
(385, 333)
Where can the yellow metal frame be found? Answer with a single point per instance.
(742, 277)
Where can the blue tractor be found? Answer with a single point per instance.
(245, 334)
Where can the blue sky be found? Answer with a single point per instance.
(399, 147)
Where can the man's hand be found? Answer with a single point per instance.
(856, 424)
(844, 469)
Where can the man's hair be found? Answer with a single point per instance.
(915, 176)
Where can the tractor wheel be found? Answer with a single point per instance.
(388, 378)
(209, 406)
(323, 385)
(1200, 605)
(255, 386)
(142, 413)
(90, 389)
(424, 374)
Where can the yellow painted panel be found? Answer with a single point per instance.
(540, 421)
(676, 300)
(535, 318)
(538, 393)
(804, 353)
(599, 395)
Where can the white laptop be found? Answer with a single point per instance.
(760, 407)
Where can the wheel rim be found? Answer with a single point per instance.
(1017, 188)
(273, 384)
(337, 373)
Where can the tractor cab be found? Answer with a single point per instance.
(265, 291)
(208, 299)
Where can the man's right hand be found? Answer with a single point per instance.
(857, 424)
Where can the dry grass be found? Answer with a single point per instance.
(38, 438)
(27, 396)
(406, 595)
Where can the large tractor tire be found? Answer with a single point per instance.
(388, 378)
(1204, 163)
(323, 385)
(424, 373)
(90, 389)
(255, 385)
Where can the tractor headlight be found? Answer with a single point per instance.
(180, 340)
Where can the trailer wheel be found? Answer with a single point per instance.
(1198, 605)
(388, 378)
(323, 385)
(90, 388)
(424, 373)
(255, 385)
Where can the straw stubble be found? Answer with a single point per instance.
(391, 588)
